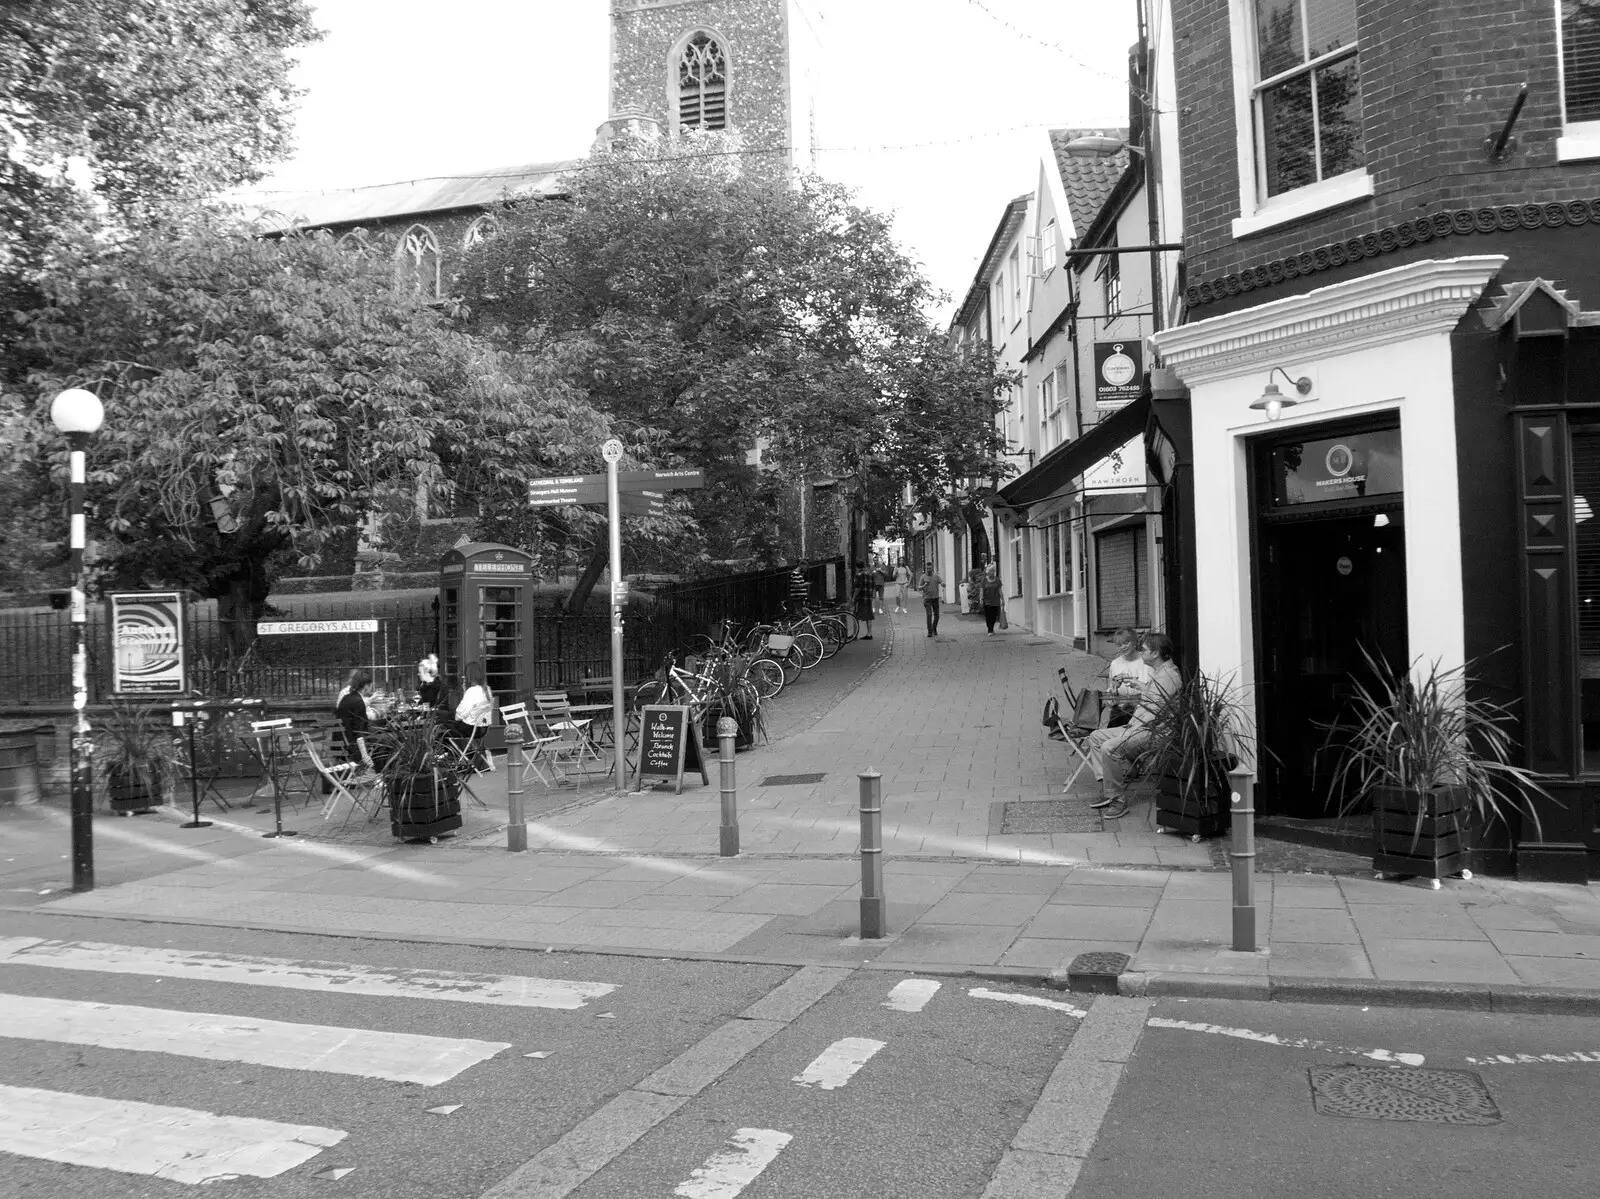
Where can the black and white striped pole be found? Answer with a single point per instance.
(78, 413)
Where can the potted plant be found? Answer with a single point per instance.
(1201, 731)
(424, 795)
(1434, 761)
(139, 759)
(728, 693)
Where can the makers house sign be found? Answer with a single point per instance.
(1118, 373)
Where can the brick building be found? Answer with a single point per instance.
(1390, 215)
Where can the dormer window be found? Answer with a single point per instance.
(703, 84)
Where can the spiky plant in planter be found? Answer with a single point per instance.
(1201, 731)
(138, 761)
(424, 796)
(1434, 759)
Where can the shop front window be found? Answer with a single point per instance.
(1586, 543)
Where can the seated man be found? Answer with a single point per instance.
(1112, 751)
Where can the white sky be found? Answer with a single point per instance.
(933, 110)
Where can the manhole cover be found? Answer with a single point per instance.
(1047, 816)
(790, 780)
(1096, 972)
(1038, 643)
(1378, 1093)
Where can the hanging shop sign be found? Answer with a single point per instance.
(148, 652)
(1354, 466)
(1118, 373)
(1121, 470)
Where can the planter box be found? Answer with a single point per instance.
(1420, 833)
(1205, 814)
(425, 805)
(131, 791)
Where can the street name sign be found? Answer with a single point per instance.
(547, 493)
(278, 628)
(643, 503)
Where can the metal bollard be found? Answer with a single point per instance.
(516, 822)
(872, 905)
(1242, 784)
(727, 730)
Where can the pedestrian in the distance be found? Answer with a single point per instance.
(865, 589)
(880, 578)
(799, 589)
(992, 599)
(932, 588)
(902, 587)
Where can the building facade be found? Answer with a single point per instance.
(1377, 400)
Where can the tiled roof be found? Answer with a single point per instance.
(1087, 181)
(353, 205)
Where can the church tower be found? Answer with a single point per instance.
(727, 65)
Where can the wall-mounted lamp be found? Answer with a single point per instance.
(1273, 401)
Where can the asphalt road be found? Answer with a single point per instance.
(928, 1112)
(1205, 1113)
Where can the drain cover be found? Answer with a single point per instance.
(1045, 816)
(1377, 1093)
(790, 780)
(1096, 972)
(1038, 643)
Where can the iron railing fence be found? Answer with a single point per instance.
(36, 647)
(36, 652)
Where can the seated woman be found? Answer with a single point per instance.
(1125, 679)
(430, 691)
(474, 712)
(351, 708)
(1112, 751)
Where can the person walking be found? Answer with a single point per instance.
(902, 586)
(932, 588)
(865, 586)
(992, 599)
(1112, 752)
(880, 580)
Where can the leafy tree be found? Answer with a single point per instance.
(264, 395)
(148, 99)
(707, 310)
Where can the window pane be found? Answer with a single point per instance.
(1339, 112)
(1586, 538)
(1330, 24)
(1280, 40)
(1580, 58)
(1288, 144)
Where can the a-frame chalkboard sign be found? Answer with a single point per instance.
(668, 744)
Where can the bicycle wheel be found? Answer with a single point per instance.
(767, 677)
(653, 692)
(791, 667)
(808, 648)
(697, 646)
(832, 635)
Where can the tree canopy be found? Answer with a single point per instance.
(263, 395)
(707, 310)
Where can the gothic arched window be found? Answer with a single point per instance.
(703, 84)
(481, 229)
(418, 261)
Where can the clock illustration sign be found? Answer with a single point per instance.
(1118, 373)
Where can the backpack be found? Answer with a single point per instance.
(1052, 713)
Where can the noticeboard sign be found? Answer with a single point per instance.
(1118, 373)
(148, 650)
(668, 744)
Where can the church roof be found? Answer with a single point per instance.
(385, 201)
(1088, 182)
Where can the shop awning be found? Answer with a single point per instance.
(1065, 463)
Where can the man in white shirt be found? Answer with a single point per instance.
(1112, 751)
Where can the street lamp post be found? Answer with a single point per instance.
(78, 413)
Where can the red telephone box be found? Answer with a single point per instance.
(486, 615)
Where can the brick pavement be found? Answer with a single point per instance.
(952, 725)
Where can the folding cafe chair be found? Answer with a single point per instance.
(535, 746)
(572, 746)
(356, 781)
(1073, 730)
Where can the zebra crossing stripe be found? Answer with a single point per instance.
(174, 1143)
(506, 989)
(912, 995)
(400, 1057)
(730, 1170)
(837, 1064)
